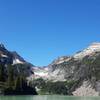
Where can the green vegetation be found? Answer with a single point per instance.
(10, 80)
(49, 87)
(14, 85)
(96, 68)
(2, 75)
(55, 88)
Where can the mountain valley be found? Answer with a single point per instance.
(77, 75)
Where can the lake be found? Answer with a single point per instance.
(47, 97)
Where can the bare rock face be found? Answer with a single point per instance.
(94, 47)
(13, 58)
(83, 69)
(74, 67)
(85, 89)
(84, 65)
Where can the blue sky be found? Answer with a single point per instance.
(41, 30)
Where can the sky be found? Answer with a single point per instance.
(42, 30)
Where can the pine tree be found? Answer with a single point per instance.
(17, 83)
(2, 75)
(20, 83)
(10, 76)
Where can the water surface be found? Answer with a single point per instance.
(47, 97)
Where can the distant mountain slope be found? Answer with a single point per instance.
(66, 67)
(82, 68)
(94, 47)
(13, 58)
(69, 67)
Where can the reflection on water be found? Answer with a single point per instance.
(47, 97)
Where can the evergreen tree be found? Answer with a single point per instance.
(20, 83)
(2, 75)
(17, 83)
(10, 76)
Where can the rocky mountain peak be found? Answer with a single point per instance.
(61, 59)
(9, 56)
(95, 43)
(2, 45)
(13, 58)
(95, 46)
(17, 59)
(91, 49)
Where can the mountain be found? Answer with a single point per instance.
(83, 69)
(14, 73)
(17, 58)
(94, 47)
(77, 75)
(13, 58)
(65, 67)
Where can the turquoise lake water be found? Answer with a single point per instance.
(47, 97)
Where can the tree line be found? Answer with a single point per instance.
(14, 84)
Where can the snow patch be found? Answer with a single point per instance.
(40, 72)
(17, 61)
(2, 55)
